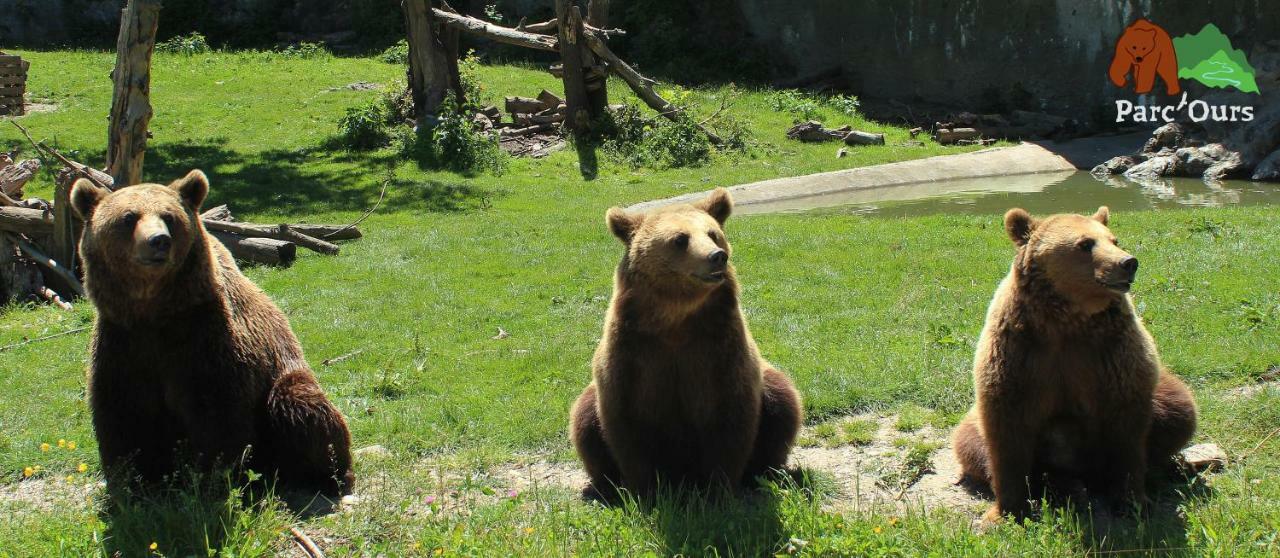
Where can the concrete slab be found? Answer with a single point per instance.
(912, 179)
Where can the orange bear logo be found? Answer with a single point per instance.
(1146, 51)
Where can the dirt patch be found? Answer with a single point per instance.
(46, 495)
(1269, 380)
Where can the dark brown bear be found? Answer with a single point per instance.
(1067, 380)
(680, 392)
(188, 353)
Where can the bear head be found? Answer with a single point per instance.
(679, 249)
(144, 232)
(1077, 255)
(1138, 43)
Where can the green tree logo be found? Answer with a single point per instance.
(1209, 58)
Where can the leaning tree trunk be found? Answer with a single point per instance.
(131, 100)
(574, 64)
(428, 61)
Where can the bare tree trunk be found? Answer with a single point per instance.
(571, 36)
(131, 100)
(597, 84)
(428, 61)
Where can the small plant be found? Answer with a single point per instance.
(845, 104)
(456, 144)
(396, 54)
(365, 126)
(794, 102)
(640, 142)
(304, 50)
(841, 432)
(190, 44)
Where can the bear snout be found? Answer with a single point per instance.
(718, 258)
(1130, 266)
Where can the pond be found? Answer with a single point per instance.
(1042, 193)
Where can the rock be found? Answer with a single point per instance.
(1172, 135)
(373, 452)
(1269, 168)
(1203, 457)
(1115, 165)
(1229, 167)
(842, 152)
(1154, 167)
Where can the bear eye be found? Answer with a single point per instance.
(682, 240)
(714, 236)
(1086, 245)
(168, 220)
(130, 219)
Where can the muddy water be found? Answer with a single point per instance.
(1038, 193)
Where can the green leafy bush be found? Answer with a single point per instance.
(304, 50)
(658, 142)
(189, 44)
(456, 144)
(365, 126)
(396, 54)
(806, 105)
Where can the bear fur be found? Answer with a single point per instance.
(1067, 380)
(188, 354)
(1146, 51)
(680, 392)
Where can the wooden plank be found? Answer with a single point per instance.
(13, 80)
(10, 59)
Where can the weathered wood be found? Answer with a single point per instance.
(511, 132)
(597, 87)
(14, 177)
(571, 57)
(321, 231)
(522, 105)
(278, 232)
(19, 276)
(217, 213)
(25, 221)
(13, 80)
(856, 137)
(131, 97)
(429, 75)
(66, 227)
(953, 135)
(548, 26)
(550, 117)
(549, 100)
(497, 33)
(268, 251)
(642, 86)
(62, 274)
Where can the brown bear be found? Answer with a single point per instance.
(1067, 381)
(1146, 51)
(188, 354)
(680, 394)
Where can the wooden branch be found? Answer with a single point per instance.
(428, 61)
(522, 105)
(497, 33)
(510, 132)
(52, 265)
(26, 221)
(217, 213)
(278, 232)
(953, 135)
(267, 251)
(51, 297)
(131, 98)
(45, 338)
(642, 86)
(548, 26)
(14, 177)
(574, 62)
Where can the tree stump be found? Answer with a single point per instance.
(429, 66)
(131, 99)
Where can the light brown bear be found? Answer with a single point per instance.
(189, 356)
(680, 392)
(1067, 381)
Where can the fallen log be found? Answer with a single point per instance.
(278, 232)
(952, 135)
(540, 118)
(522, 105)
(496, 32)
(549, 100)
(25, 221)
(217, 213)
(855, 137)
(510, 132)
(268, 251)
(321, 231)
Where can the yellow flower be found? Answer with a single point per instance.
(82, 467)
(153, 546)
(439, 551)
(71, 445)
(416, 545)
(62, 443)
(528, 530)
(876, 530)
(28, 471)
(893, 521)
(44, 446)
(70, 479)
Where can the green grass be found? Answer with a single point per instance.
(865, 314)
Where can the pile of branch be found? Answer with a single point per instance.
(813, 131)
(534, 128)
(967, 128)
(38, 238)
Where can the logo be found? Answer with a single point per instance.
(1146, 56)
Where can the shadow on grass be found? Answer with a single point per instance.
(305, 180)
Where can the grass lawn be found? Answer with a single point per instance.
(866, 314)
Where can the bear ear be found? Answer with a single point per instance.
(1102, 215)
(85, 196)
(192, 188)
(622, 224)
(719, 204)
(1018, 223)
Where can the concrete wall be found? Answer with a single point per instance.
(1051, 53)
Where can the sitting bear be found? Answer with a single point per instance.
(1146, 51)
(1067, 381)
(188, 353)
(680, 392)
